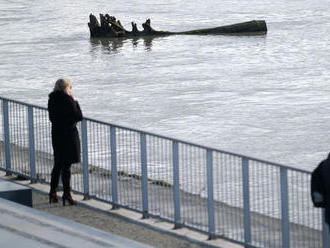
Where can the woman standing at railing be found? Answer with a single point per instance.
(64, 113)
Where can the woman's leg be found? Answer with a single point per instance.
(55, 177)
(66, 178)
(54, 182)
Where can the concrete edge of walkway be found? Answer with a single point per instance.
(46, 220)
(136, 218)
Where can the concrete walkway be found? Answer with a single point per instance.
(26, 227)
(127, 224)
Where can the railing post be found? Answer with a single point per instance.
(114, 178)
(176, 185)
(325, 231)
(6, 136)
(144, 171)
(31, 145)
(210, 200)
(85, 158)
(285, 208)
(246, 201)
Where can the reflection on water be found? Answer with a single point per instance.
(113, 45)
(110, 45)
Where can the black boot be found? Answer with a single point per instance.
(66, 178)
(54, 184)
(53, 198)
(68, 198)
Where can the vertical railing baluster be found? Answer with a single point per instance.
(210, 200)
(144, 171)
(6, 136)
(84, 141)
(246, 201)
(114, 177)
(176, 185)
(285, 208)
(31, 145)
(325, 232)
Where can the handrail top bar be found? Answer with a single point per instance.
(172, 139)
(23, 103)
(199, 145)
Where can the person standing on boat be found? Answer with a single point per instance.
(64, 113)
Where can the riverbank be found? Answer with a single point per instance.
(122, 222)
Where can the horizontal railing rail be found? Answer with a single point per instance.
(247, 200)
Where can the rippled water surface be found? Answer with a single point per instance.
(263, 96)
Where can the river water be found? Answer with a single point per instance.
(263, 96)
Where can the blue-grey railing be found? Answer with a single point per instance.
(223, 194)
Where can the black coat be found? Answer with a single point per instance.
(64, 113)
(326, 182)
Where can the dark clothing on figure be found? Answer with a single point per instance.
(64, 113)
(64, 170)
(326, 182)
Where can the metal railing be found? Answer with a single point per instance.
(246, 200)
